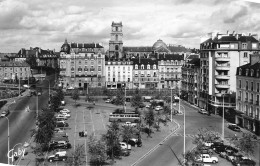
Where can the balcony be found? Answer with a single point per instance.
(220, 58)
(224, 86)
(220, 104)
(222, 68)
(222, 76)
(251, 101)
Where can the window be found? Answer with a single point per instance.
(252, 72)
(240, 84)
(247, 71)
(99, 68)
(72, 69)
(136, 66)
(116, 47)
(240, 72)
(246, 85)
(108, 68)
(245, 54)
(257, 88)
(244, 45)
(252, 86)
(148, 66)
(154, 67)
(142, 66)
(257, 73)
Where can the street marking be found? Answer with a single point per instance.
(92, 122)
(181, 135)
(102, 120)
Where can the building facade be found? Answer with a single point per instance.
(170, 70)
(220, 55)
(190, 81)
(116, 40)
(14, 71)
(118, 72)
(145, 73)
(248, 95)
(82, 65)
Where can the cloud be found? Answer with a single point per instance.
(237, 15)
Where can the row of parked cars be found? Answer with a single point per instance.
(228, 152)
(60, 139)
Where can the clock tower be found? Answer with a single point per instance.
(116, 42)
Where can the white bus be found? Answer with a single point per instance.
(124, 117)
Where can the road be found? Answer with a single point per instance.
(21, 121)
(167, 153)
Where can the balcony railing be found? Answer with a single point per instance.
(222, 76)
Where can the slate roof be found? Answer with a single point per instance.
(144, 61)
(195, 61)
(170, 57)
(255, 67)
(85, 45)
(231, 38)
(138, 49)
(192, 56)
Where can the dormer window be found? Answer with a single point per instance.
(154, 66)
(148, 66)
(240, 72)
(252, 72)
(142, 66)
(176, 62)
(247, 70)
(136, 66)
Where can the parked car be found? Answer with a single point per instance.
(65, 111)
(62, 124)
(206, 158)
(216, 145)
(61, 116)
(58, 130)
(244, 161)
(208, 143)
(142, 105)
(59, 156)
(134, 142)
(148, 106)
(125, 152)
(60, 145)
(66, 115)
(234, 127)
(125, 146)
(129, 124)
(5, 113)
(234, 156)
(203, 111)
(108, 101)
(158, 108)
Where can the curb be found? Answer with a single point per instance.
(154, 148)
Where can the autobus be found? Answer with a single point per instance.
(124, 117)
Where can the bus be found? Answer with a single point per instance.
(125, 117)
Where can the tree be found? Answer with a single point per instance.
(112, 140)
(245, 144)
(89, 98)
(60, 94)
(55, 102)
(120, 97)
(76, 157)
(97, 151)
(136, 100)
(31, 61)
(127, 133)
(149, 119)
(75, 95)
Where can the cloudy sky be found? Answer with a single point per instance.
(46, 23)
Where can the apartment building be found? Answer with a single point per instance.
(11, 71)
(118, 72)
(82, 65)
(170, 70)
(190, 81)
(248, 92)
(220, 55)
(145, 73)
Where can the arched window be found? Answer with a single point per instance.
(257, 73)
(176, 62)
(116, 47)
(240, 72)
(148, 66)
(252, 72)
(136, 66)
(142, 66)
(247, 71)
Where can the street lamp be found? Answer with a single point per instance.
(8, 133)
(184, 132)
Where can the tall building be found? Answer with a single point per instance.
(220, 55)
(169, 70)
(118, 72)
(190, 81)
(145, 73)
(248, 92)
(116, 40)
(82, 65)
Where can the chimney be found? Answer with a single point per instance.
(227, 32)
(233, 33)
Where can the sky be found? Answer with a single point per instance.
(47, 23)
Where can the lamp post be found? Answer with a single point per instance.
(171, 104)
(184, 132)
(8, 145)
